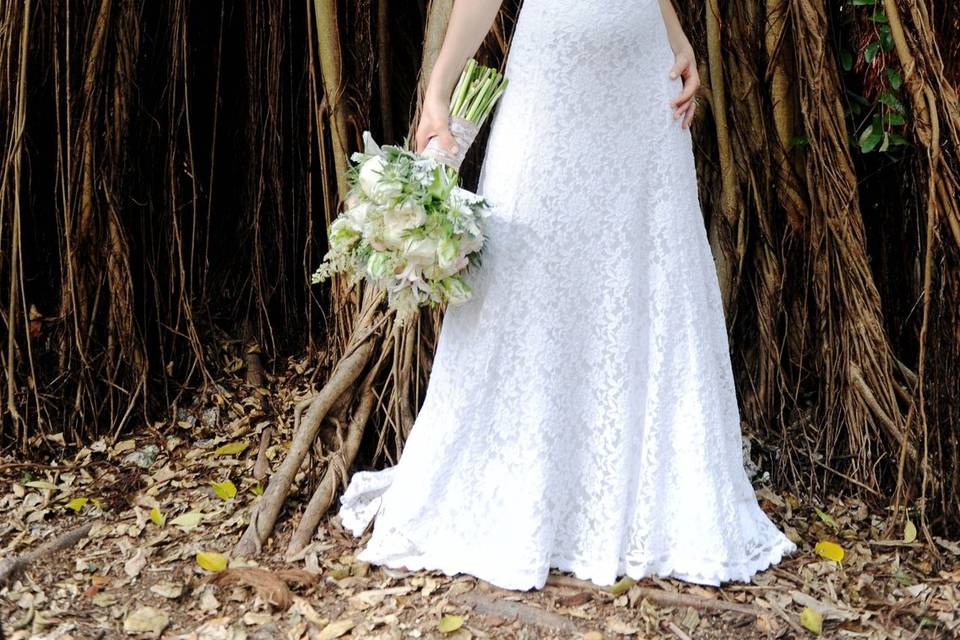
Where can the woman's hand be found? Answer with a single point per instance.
(685, 66)
(434, 122)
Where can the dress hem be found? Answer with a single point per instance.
(669, 568)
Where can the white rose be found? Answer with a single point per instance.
(422, 251)
(352, 200)
(408, 215)
(342, 232)
(358, 215)
(387, 190)
(371, 173)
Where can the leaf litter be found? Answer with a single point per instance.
(165, 507)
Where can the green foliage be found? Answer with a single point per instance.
(878, 124)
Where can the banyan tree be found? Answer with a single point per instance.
(169, 170)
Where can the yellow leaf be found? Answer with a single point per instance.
(187, 521)
(41, 484)
(812, 620)
(212, 561)
(909, 532)
(257, 489)
(224, 490)
(829, 550)
(76, 504)
(97, 503)
(826, 517)
(157, 517)
(622, 585)
(450, 623)
(231, 449)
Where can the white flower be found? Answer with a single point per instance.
(456, 289)
(408, 215)
(371, 171)
(342, 232)
(447, 251)
(352, 200)
(359, 215)
(378, 264)
(387, 191)
(460, 195)
(470, 244)
(369, 146)
(412, 273)
(422, 251)
(371, 180)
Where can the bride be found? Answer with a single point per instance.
(581, 412)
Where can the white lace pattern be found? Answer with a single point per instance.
(581, 411)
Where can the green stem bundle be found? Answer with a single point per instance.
(476, 92)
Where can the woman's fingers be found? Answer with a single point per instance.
(689, 117)
(690, 85)
(444, 138)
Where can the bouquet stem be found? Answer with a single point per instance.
(473, 99)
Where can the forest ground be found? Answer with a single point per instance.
(158, 497)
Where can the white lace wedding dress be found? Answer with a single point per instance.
(581, 411)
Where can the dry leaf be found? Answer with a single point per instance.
(40, 484)
(622, 585)
(909, 531)
(829, 550)
(224, 490)
(146, 620)
(231, 449)
(212, 561)
(812, 620)
(169, 590)
(187, 521)
(158, 518)
(450, 622)
(826, 517)
(335, 629)
(135, 565)
(77, 503)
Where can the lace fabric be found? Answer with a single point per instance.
(581, 412)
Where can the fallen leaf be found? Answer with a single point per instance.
(40, 484)
(230, 449)
(146, 620)
(135, 565)
(124, 445)
(335, 629)
(812, 620)
(212, 561)
(450, 622)
(829, 550)
(187, 521)
(622, 585)
(76, 504)
(826, 517)
(909, 531)
(157, 517)
(169, 590)
(224, 490)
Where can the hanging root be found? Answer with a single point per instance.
(345, 374)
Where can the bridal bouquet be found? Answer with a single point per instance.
(407, 226)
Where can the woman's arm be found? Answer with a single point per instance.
(685, 64)
(470, 21)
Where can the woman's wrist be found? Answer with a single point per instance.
(682, 45)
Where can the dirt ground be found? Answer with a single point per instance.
(163, 503)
